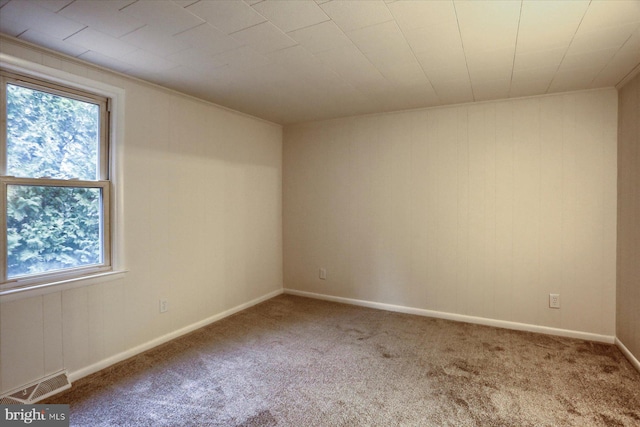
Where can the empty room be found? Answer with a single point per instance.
(320, 212)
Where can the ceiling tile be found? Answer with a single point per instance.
(443, 38)
(52, 5)
(606, 13)
(147, 74)
(164, 15)
(291, 15)
(404, 98)
(321, 37)
(453, 91)
(197, 59)
(242, 58)
(52, 43)
(184, 78)
(490, 66)
(208, 39)
(559, 19)
(487, 25)
(372, 56)
(625, 60)
(479, 60)
(12, 27)
(573, 79)
(422, 93)
(633, 42)
(227, 16)
(353, 15)
(483, 75)
(342, 57)
(420, 14)
(378, 92)
(45, 21)
(617, 69)
(151, 40)
(105, 61)
(267, 74)
(446, 74)
(529, 82)
(104, 16)
(491, 89)
(300, 62)
(185, 3)
(440, 63)
(353, 66)
(101, 43)
(403, 73)
(591, 59)
(601, 38)
(537, 74)
(555, 13)
(333, 90)
(386, 58)
(264, 38)
(379, 37)
(534, 40)
(330, 86)
(147, 61)
(539, 58)
(528, 87)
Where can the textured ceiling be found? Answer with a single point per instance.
(296, 60)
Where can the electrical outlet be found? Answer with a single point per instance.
(323, 274)
(164, 306)
(554, 300)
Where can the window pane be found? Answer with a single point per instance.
(51, 136)
(52, 228)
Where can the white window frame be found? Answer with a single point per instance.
(113, 217)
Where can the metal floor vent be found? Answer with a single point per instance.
(38, 390)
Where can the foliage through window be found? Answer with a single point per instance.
(55, 187)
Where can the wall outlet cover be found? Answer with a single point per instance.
(554, 300)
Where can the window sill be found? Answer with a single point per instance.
(62, 285)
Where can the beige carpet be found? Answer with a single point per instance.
(295, 361)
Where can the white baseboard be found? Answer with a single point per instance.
(632, 359)
(609, 339)
(80, 373)
(76, 375)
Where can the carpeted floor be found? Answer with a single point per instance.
(295, 361)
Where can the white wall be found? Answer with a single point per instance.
(203, 229)
(479, 209)
(628, 296)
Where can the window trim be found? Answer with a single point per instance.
(66, 92)
(115, 143)
(101, 181)
(55, 275)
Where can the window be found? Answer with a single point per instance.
(54, 184)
